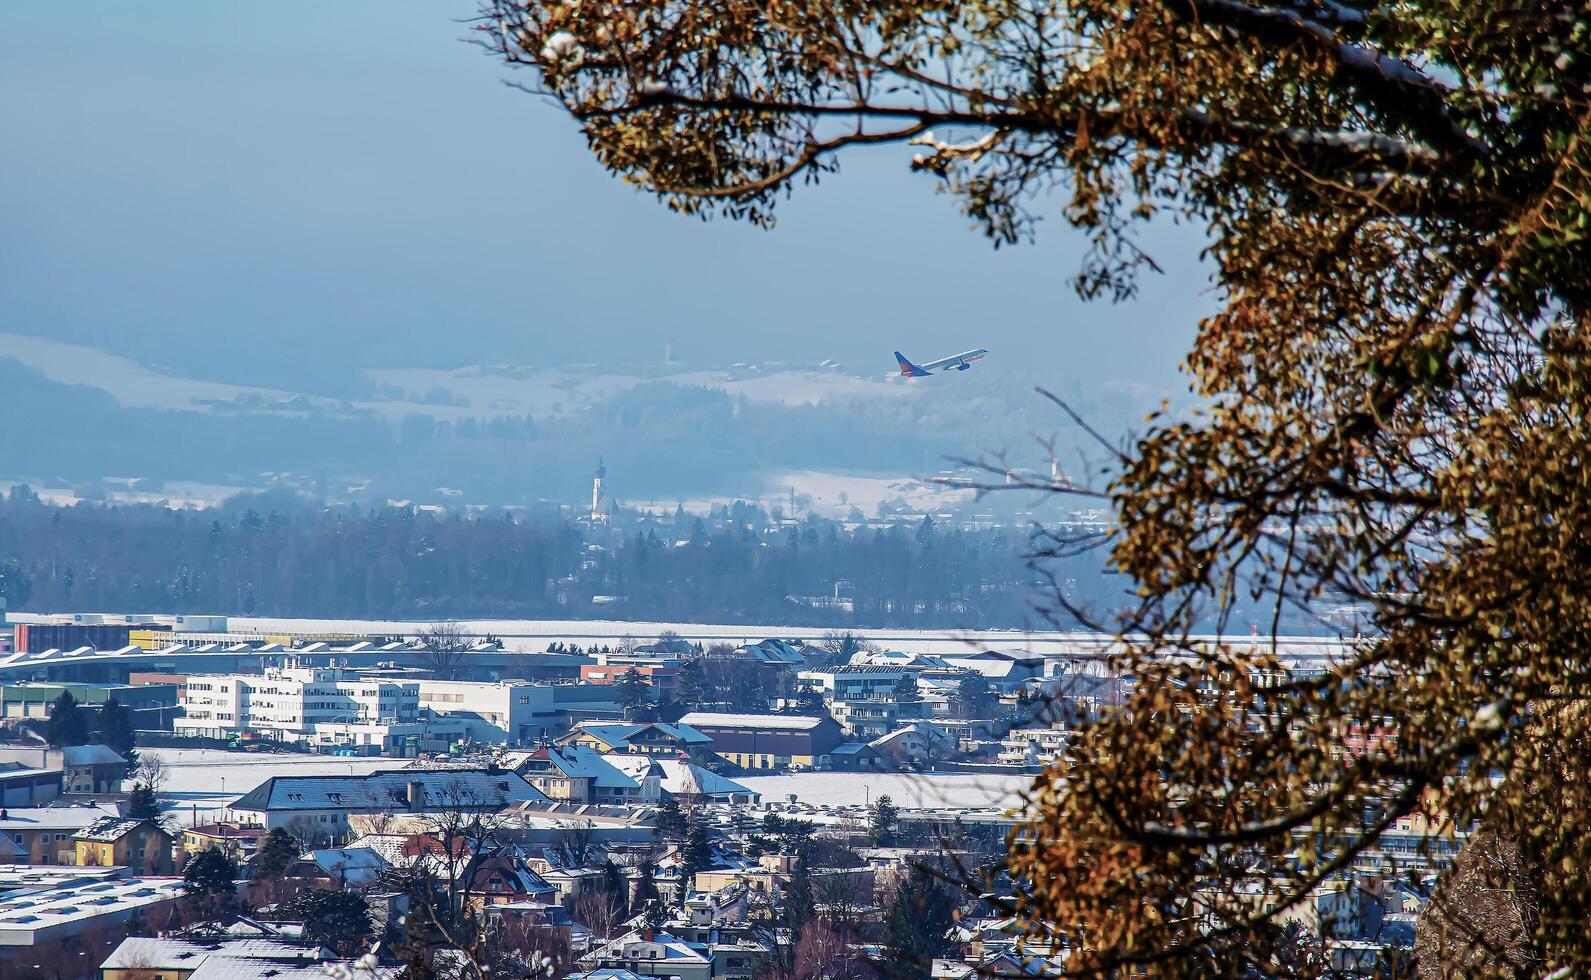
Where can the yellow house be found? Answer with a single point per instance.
(125, 843)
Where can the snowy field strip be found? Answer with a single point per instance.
(907, 790)
(534, 635)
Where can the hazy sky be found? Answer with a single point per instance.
(254, 190)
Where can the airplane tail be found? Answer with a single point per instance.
(908, 369)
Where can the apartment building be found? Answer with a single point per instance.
(862, 698)
(330, 709)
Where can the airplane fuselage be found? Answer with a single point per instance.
(955, 362)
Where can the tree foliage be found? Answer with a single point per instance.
(1396, 387)
(277, 850)
(883, 822)
(337, 919)
(143, 803)
(211, 872)
(69, 722)
(916, 926)
(293, 558)
(113, 727)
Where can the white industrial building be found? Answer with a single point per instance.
(515, 712)
(325, 707)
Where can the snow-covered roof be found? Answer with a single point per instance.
(714, 719)
(680, 777)
(53, 817)
(109, 829)
(92, 755)
(388, 789)
(585, 763)
(354, 865)
(186, 954)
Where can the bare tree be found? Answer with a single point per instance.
(151, 772)
(576, 843)
(443, 648)
(466, 826)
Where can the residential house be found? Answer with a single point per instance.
(235, 841)
(682, 779)
(916, 743)
(577, 773)
(648, 738)
(92, 769)
(651, 954)
(336, 869)
(319, 806)
(45, 833)
(139, 958)
(127, 842)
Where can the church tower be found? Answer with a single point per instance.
(597, 516)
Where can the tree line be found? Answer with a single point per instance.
(276, 554)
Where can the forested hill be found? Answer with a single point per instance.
(280, 556)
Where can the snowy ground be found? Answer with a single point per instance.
(907, 790)
(535, 635)
(201, 782)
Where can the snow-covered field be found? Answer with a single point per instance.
(200, 783)
(909, 790)
(534, 635)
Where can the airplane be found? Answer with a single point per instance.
(960, 362)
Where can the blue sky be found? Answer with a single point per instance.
(257, 190)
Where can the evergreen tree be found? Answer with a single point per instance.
(211, 872)
(670, 823)
(696, 855)
(338, 919)
(883, 822)
(113, 728)
(633, 693)
(143, 803)
(656, 915)
(645, 887)
(973, 697)
(914, 932)
(69, 722)
(617, 889)
(694, 687)
(276, 851)
(809, 700)
(800, 903)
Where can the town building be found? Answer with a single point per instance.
(152, 705)
(60, 915)
(84, 769)
(637, 738)
(327, 708)
(515, 712)
(864, 698)
(768, 741)
(125, 842)
(660, 674)
(319, 806)
(44, 834)
(652, 954)
(139, 958)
